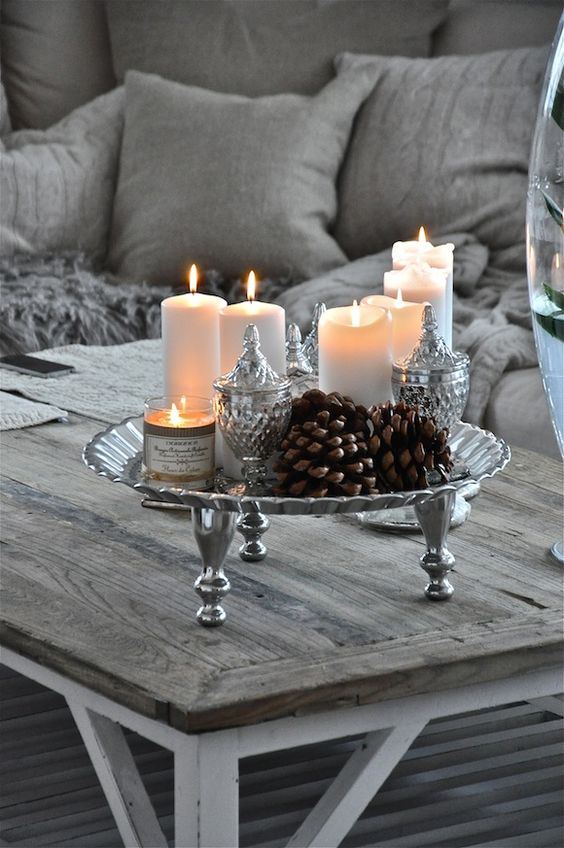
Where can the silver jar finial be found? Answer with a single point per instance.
(311, 342)
(297, 361)
(253, 405)
(432, 376)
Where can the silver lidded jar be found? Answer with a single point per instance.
(432, 376)
(253, 406)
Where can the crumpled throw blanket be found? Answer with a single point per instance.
(56, 300)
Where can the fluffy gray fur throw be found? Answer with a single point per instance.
(48, 301)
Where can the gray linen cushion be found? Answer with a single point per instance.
(57, 185)
(227, 181)
(441, 142)
(258, 47)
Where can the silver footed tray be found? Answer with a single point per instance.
(116, 453)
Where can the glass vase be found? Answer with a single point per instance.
(545, 240)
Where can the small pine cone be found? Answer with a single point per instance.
(406, 447)
(325, 451)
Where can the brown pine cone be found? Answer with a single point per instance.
(406, 448)
(325, 452)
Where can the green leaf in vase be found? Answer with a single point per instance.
(553, 208)
(554, 295)
(553, 324)
(557, 111)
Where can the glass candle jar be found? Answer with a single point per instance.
(179, 441)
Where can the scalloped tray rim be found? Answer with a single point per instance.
(284, 505)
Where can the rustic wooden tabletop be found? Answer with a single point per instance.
(100, 589)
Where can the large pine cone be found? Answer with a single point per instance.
(334, 447)
(406, 448)
(325, 451)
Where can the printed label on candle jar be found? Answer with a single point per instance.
(180, 454)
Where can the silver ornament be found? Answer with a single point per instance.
(432, 376)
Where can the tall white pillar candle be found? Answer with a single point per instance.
(439, 256)
(190, 337)
(355, 353)
(270, 320)
(419, 283)
(406, 321)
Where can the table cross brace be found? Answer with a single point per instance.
(354, 787)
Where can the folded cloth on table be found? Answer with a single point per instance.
(109, 383)
(17, 412)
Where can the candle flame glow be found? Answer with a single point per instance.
(422, 237)
(355, 316)
(193, 279)
(174, 416)
(399, 298)
(251, 286)
(557, 260)
(183, 403)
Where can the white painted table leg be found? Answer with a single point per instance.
(186, 794)
(219, 789)
(354, 787)
(206, 791)
(117, 772)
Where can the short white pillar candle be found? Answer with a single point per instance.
(355, 355)
(419, 283)
(406, 321)
(439, 256)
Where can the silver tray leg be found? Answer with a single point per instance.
(434, 516)
(251, 525)
(213, 531)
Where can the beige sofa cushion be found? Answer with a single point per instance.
(258, 47)
(442, 142)
(227, 181)
(55, 57)
(57, 185)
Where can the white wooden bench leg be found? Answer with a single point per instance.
(117, 772)
(354, 787)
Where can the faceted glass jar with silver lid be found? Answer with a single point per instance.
(432, 376)
(311, 342)
(253, 406)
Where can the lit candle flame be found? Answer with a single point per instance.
(183, 403)
(174, 416)
(557, 261)
(193, 279)
(251, 286)
(422, 237)
(399, 298)
(355, 317)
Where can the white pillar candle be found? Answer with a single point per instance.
(419, 283)
(270, 320)
(355, 353)
(190, 337)
(437, 256)
(406, 321)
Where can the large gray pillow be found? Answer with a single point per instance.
(258, 47)
(57, 185)
(229, 182)
(442, 142)
(55, 57)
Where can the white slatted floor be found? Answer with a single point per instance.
(491, 779)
